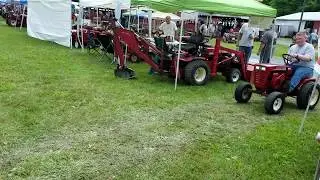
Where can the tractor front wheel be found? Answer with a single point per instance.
(234, 75)
(274, 103)
(12, 22)
(243, 92)
(197, 73)
(304, 96)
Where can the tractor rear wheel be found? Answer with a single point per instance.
(274, 103)
(243, 92)
(304, 96)
(197, 73)
(234, 75)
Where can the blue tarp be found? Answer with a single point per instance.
(15, 1)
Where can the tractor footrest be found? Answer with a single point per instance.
(125, 73)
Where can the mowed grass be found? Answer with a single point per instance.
(279, 50)
(64, 115)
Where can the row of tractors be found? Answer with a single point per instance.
(200, 61)
(14, 14)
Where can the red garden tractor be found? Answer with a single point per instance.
(198, 63)
(273, 81)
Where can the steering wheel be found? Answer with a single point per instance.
(289, 59)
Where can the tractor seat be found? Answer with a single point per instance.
(188, 47)
(161, 44)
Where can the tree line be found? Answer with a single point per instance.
(285, 7)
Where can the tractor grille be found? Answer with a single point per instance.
(260, 79)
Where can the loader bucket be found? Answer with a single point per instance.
(125, 73)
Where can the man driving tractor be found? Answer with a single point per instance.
(304, 54)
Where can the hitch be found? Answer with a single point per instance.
(125, 73)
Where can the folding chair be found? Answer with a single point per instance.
(95, 46)
(107, 44)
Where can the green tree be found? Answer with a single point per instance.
(285, 7)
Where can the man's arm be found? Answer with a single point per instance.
(240, 36)
(262, 44)
(239, 39)
(308, 56)
(161, 27)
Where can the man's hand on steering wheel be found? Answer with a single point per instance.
(290, 58)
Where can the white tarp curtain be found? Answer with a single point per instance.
(50, 20)
(111, 4)
(189, 15)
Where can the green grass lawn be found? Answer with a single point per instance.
(279, 50)
(64, 115)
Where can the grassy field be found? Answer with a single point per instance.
(64, 115)
(280, 49)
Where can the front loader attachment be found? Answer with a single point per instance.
(125, 73)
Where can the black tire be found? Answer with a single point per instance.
(12, 23)
(234, 75)
(197, 73)
(243, 92)
(304, 96)
(274, 103)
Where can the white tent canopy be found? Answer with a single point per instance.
(112, 4)
(307, 16)
(50, 20)
(161, 15)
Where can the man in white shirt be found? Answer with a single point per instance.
(169, 27)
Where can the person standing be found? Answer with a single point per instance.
(245, 43)
(168, 28)
(314, 38)
(265, 49)
(203, 28)
(211, 29)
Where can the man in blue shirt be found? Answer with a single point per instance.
(305, 54)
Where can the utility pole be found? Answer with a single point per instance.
(301, 17)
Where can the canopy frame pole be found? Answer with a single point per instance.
(301, 17)
(273, 39)
(312, 94)
(196, 23)
(129, 21)
(23, 16)
(138, 20)
(81, 24)
(97, 16)
(179, 54)
(150, 23)
(308, 107)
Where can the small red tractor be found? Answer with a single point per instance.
(14, 19)
(198, 61)
(230, 37)
(273, 81)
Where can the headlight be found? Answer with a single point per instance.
(261, 68)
